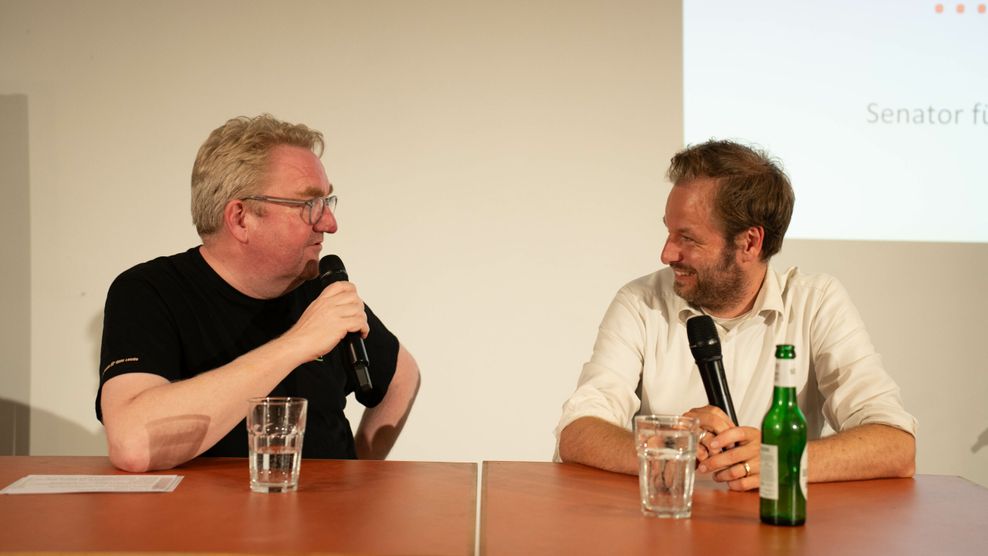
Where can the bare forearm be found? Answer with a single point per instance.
(153, 424)
(869, 451)
(597, 443)
(380, 426)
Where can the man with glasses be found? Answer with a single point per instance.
(187, 339)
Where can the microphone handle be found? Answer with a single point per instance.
(715, 383)
(357, 352)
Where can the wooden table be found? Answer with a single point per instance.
(374, 507)
(377, 507)
(548, 508)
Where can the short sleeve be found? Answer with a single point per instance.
(382, 353)
(139, 333)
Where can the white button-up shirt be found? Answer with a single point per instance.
(841, 381)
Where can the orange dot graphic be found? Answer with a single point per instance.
(981, 8)
(939, 8)
(960, 8)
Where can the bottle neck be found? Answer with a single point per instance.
(785, 382)
(784, 395)
(785, 373)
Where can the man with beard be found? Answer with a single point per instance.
(726, 216)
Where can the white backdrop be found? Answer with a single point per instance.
(876, 101)
(500, 171)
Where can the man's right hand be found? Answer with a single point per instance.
(337, 311)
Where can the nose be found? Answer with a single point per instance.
(670, 252)
(327, 222)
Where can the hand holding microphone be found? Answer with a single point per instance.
(739, 459)
(705, 346)
(331, 270)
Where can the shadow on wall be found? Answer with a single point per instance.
(18, 419)
(54, 434)
(15, 433)
(981, 442)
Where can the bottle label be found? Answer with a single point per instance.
(785, 373)
(803, 473)
(768, 483)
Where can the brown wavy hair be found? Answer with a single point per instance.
(753, 190)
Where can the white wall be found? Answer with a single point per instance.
(499, 167)
(924, 304)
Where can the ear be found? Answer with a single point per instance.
(236, 218)
(749, 244)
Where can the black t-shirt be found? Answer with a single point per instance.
(175, 317)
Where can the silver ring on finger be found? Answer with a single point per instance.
(747, 469)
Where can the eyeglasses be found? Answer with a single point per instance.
(315, 207)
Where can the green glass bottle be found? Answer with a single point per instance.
(782, 487)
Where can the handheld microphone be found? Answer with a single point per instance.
(705, 345)
(331, 270)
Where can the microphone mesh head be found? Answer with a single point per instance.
(331, 270)
(704, 341)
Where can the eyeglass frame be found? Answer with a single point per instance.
(329, 201)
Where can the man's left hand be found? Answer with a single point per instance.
(738, 466)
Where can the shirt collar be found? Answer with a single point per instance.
(769, 300)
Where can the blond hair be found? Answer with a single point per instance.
(233, 160)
